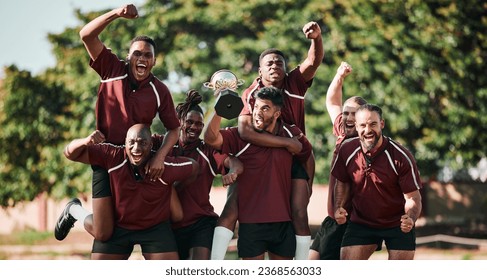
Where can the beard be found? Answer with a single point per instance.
(369, 144)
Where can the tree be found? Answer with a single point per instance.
(422, 62)
(33, 127)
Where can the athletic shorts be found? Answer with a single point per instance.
(328, 239)
(199, 234)
(394, 238)
(157, 239)
(100, 182)
(298, 171)
(256, 239)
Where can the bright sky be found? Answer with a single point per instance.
(24, 25)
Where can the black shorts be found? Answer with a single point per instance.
(298, 171)
(328, 239)
(157, 239)
(394, 238)
(256, 239)
(100, 182)
(199, 234)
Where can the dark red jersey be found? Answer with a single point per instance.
(123, 102)
(378, 181)
(264, 188)
(139, 203)
(294, 90)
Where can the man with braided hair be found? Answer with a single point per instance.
(194, 233)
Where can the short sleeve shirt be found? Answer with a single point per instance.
(264, 188)
(294, 90)
(377, 188)
(123, 102)
(138, 204)
(195, 197)
(339, 132)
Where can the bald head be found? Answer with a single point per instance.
(138, 144)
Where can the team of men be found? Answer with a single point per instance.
(142, 185)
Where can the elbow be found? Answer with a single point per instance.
(83, 34)
(211, 139)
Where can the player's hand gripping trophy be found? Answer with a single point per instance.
(224, 83)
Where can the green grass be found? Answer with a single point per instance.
(28, 237)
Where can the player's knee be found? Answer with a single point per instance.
(103, 235)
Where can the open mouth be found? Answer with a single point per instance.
(141, 68)
(369, 137)
(136, 158)
(349, 125)
(258, 122)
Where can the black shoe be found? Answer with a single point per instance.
(65, 222)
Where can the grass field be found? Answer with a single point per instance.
(32, 245)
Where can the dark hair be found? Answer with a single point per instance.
(357, 100)
(193, 98)
(371, 108)
(270, 93)
(144, 38)
(271, 51)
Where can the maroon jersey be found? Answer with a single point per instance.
(139, 203)
(123, 101)
(294, 90)
(264, 188)
(378, 181)
(195, 197)
(339, 132)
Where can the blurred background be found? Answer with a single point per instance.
(423, 62)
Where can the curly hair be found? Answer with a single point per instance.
(193, 99)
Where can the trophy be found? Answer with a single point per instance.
(224, 83)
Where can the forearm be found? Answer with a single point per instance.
(341, 193)
(316, 52)
(170, 139)
(76, 150)
(96, 26)
(212, 134)
(335, 91)
(234, 165)
(248, 134)
(413, 206)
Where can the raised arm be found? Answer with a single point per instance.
(248, 134)
(76, 149)
(334, 94)
(212, 135)
(89, 33)
(310, 65)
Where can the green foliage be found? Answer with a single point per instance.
(27, 237)
(422, 61)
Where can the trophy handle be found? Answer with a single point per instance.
(240, 82)
(208, 85)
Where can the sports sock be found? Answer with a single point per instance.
(302, 247)
(221, 239)
(78, 212)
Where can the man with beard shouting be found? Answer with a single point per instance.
(382, 179)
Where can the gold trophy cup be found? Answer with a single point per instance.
(224, 83)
